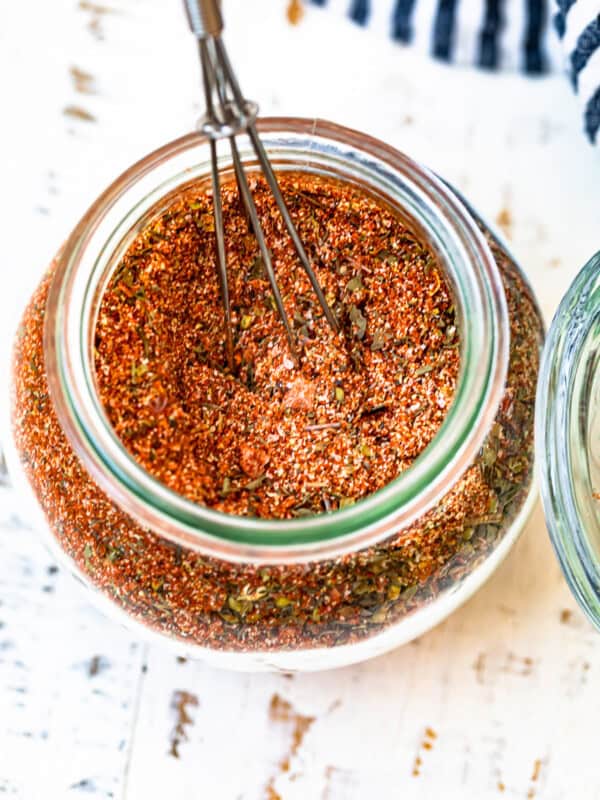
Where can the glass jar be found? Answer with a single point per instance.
(308, 593)
(568, 437)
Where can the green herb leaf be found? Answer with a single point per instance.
(346, 502)
(138, 370)
(354, 284)
(380, 615)
(388, 256)
(255, 483)
(359, 321)
(424, 370)
(303, 511)
(410, 592)
(257, 270)
(88, 552)
(379, 340)
(393, 592)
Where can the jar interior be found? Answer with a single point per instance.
(227, 179)
(427, 207)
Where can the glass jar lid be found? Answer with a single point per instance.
(568, 436)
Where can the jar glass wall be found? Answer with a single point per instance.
(314, 592)
(568, 436)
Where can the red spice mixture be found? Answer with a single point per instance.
(221, 605)
(276, 440)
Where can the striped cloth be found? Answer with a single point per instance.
(528, 35)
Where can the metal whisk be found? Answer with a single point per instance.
(227, 114)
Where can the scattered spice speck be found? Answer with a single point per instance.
(79, 113)
(282, 711)
(295, 11)
(518, 665)
(83, 81)
(334, 705)
(417, 766)
(181, 703)
(479, 667)
(96, 8)
(426, 745)
(85, 785)
(505, 222)
(96, 13)
(96, 665)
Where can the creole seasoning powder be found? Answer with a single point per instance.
(275, 439)
(160, 371)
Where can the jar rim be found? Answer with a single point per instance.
(566, 418)
(311, 145)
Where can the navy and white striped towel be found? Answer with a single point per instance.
(497, 34)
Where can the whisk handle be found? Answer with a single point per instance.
(204, 17)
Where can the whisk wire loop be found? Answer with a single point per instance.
(218, 211)
(227, 114)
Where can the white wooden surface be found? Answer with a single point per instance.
(509, 684)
